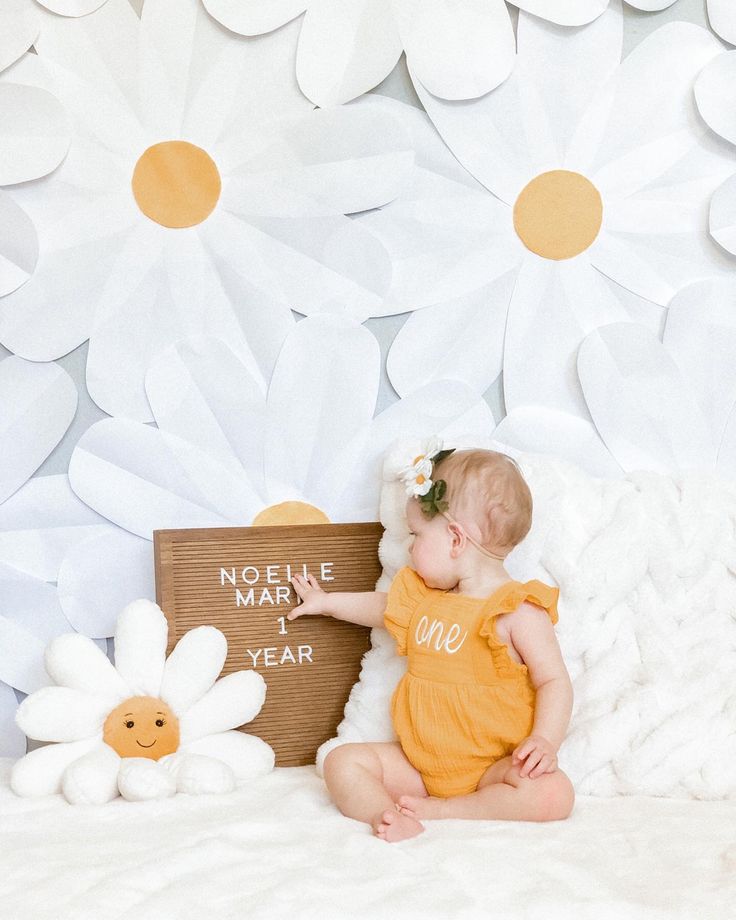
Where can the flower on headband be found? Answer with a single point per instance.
(417, 477)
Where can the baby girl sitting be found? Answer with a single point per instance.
(486, 700)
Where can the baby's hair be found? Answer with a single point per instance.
(487, 487)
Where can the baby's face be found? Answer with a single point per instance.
(430, 547)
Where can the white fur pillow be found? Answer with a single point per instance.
(645, 565)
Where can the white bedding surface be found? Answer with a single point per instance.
(277, 848)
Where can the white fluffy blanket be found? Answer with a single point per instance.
(646, 567)
(277, 849)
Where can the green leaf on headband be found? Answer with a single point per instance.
(440, 455)
(433, 502)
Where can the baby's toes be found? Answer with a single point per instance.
(407, 805)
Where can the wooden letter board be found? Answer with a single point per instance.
(236, 578)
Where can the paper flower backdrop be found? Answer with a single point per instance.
(584, 203)
(147, 726)
(201, 192)
(665, 406)
(40, 521)
(228, 452)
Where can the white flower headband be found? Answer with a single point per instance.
(417, 478)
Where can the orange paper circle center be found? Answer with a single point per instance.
(176, 184)
(142, 726)
(558, 214)
(291, 513)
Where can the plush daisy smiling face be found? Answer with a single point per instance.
(142, 726)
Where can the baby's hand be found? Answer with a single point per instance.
(540, 754)
(311, 595)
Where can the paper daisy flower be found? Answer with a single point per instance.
(40, 520)
(457, 50)
(666, 406)
(227, 452)
(201, 192)
(582, 201)
(146, 726)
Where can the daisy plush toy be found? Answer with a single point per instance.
(145, 727)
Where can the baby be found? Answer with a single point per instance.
(486, 700)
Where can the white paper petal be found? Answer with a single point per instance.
(457, 51)
(567, 12)
(40, 771)
(245, 754)
(565, 67)
(459, 340)
(722, 18)
(18, 245)
(323, 392)
(715, 94)
(74, 661)
(30, 617)
(193, 667)
(722, 220)
(37, 405)
(351, 483)
(100, 576)
(21, 656)
(537, 429)
(72, 7)
(553, 307)
(255, 17)
(351, 157)
(700, 334)
(651, 5)
(310, 264)
(200, 391)
(41, 522)
(345, 49)
(144, 480)
(643, 408)
(37, 136)
(100, 50)
(62, 714)
(623, 118)
(141, 635)
(234, 700)
(19, 25)
(12, 739)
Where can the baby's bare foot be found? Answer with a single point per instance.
(392, 826)
(419, 807)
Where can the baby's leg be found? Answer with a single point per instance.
(502, 794)
(365, 781)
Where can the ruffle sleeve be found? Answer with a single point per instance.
(406, 590)
(536, 592)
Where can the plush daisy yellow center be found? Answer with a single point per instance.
(291, 513)
(142, 726)
(176, 184)
(558, 214)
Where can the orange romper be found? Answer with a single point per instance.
(463, 703)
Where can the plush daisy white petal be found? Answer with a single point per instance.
(92, 779)
(40, 772)
(246, 755)
(74, 661)
(193, 667)
(233, 700)
(115, 730)
(63, 714)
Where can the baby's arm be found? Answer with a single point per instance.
(533, 636)
(363, 607)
